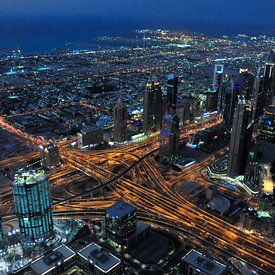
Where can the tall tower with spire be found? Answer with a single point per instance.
(120, 121)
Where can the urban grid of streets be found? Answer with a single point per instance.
(141, 183)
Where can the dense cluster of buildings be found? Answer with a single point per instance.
(248, 109)
(129, 109)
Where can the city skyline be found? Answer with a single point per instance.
(127, 149)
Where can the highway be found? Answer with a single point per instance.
(133, 175)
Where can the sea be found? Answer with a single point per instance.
(35, 35)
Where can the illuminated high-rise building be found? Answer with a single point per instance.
(230, 92)
(217, 77)
(152, 107)
(172, 94)
(214, 96)
(49, 156)
(169, 136)
(257, 93)
(120, 121)
(248, 80)
(240, 140)
(264, 87)
(268, 95)
(33, 204)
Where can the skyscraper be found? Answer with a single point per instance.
(264, 87)
(33, 204)
(159, 108)
(120, 121)
(269, 80)
(169, 136)
(213, 96)
(152, 107)
(240, 140)
(257, 92)
(172, 94)
(230, 96)
(217, 77)
(49, 156)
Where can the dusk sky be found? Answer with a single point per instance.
(96, 17)
(252, 12)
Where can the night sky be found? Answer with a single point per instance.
(252, 15)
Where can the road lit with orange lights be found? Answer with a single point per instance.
(132, 173)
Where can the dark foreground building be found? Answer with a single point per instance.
(121, 226)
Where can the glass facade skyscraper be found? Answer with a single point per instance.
(240, 140)
(152, 107)
(33, 204)
(120, 121)
(169, 136)
(172, 94)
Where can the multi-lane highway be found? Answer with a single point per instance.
(134, 175)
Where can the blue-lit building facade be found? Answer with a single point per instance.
(33, 204)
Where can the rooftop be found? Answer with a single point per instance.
(50, 260)
(99, 257)
(219, 203)
(203, 263)
(23, 177)
(90, 129)
(120, 209)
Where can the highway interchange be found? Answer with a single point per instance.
(131, 173)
